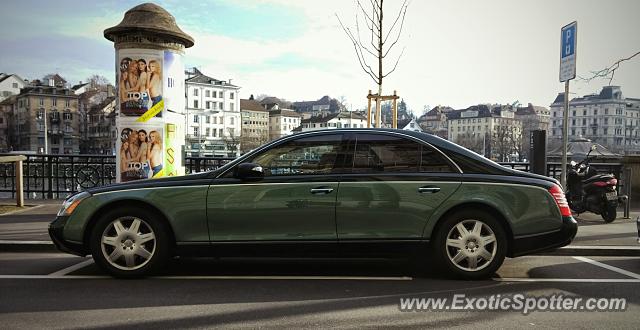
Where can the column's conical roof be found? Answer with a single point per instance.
(149, 18)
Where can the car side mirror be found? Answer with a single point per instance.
(249, 171)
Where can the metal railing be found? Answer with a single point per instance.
(57, 176)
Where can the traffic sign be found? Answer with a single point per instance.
(568, 39)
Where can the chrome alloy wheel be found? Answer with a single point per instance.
(471, 245)
(128, 243)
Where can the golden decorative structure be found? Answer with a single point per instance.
(378, 117)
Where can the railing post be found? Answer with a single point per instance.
(50, 166)
(19, 186)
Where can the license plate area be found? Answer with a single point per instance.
(612, 195)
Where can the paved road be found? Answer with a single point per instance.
(61, 291)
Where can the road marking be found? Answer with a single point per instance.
(568, 280)
(72, 268)
(609, 267)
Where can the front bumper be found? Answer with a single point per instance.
(56, 229)
(547, 241)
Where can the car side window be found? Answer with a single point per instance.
(375, 153)
(322, 154)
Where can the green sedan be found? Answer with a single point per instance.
(341, 192)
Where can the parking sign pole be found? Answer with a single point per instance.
(565, 136)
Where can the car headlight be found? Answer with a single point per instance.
(70, 204)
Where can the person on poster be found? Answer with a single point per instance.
(141, 87)
(123, 84)
(154, 85)
(141, 157)
(155, 152)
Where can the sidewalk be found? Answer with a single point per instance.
(594, 236)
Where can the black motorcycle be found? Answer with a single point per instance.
(589, 191)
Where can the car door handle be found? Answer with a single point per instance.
(321, 191)
(424, 190)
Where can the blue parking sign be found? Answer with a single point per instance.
(568, 40)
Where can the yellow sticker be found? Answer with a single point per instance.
(158, 175)
(151, 112)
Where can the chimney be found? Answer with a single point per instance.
(229, 81)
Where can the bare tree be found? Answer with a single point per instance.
(608, 72)
(471, 141)
(97, 81)
(232, 141)
(378, 45)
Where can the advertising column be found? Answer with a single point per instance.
(150, 83)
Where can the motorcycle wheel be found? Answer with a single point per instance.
(610, 213)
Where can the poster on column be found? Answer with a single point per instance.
(173, 86)
(141, 152)
(140, 83)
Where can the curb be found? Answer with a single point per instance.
(27, 246)
(576, 251)
(586, 251)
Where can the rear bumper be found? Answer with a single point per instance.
(546, 241)
(56, 229)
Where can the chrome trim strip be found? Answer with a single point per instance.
(148, 188)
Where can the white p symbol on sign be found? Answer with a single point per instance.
(567, 49)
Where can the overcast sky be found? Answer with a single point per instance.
(456, 53)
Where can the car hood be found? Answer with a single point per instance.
(184, 180)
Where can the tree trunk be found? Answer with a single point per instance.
(379, 100)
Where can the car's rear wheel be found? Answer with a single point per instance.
(470, 245)
(130, 242)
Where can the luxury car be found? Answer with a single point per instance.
(340, 192)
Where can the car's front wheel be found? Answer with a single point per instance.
(470, 245)
(129, 242)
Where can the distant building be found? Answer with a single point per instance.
(255, 125)
(435, 121)
(282, 122)
(608, 118)
(7, 109)
(101, 128)
(344, 119)
(324, 104)
(532, 118)
(10, 84)
(213, 116)
(409, 124)
(63, 120)
(490, 130)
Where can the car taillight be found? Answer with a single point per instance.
(561, 200)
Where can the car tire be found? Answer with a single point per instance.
(474, 254)
(130, 242)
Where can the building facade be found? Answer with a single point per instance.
(255, 125)
(282, 122)
(62, 119)
(10, 84)
(213, 116)
(490, 130)
(345, 119)
(101, 128)
(608, 118)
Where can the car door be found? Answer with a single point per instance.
(295, 200)
(396, 183)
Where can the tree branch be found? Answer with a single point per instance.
(363, 64)
(365, 13)
(608, 72)
(401, 13)
(395, 65)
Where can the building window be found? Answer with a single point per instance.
(208, 131)
(220, 132)
(15, 85)
(195, 103)
(215, 94)
(54, 101)
(207, 93)
(195, 131)
(195, 92)
(231, 95)
(67, 102)
(221, 120)
(221, 105)
(67, 116)
(232, 106)
(207, 120)
(195, 118)
(41, 101)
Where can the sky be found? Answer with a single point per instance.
(455, 52)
